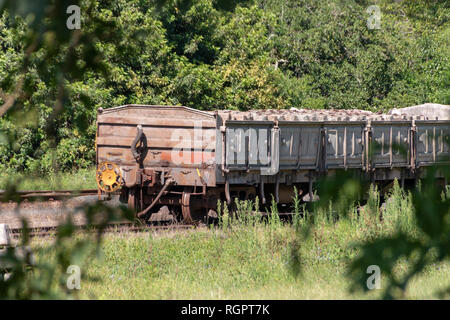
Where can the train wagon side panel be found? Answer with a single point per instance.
(248, 145)
(432, 142)
(299, 145)
(391, 141)
(344, 145)
(388, 148)
(178, 141)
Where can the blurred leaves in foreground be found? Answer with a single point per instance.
(43, 64)
(47, 279)
(421, 241)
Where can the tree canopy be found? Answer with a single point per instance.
(206, 54)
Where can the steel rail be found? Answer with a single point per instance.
(116, 227)
(111, 228)
(47, 194)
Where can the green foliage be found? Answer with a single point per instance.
(298, 211)
(207, 55)
(399, 210)
(243, 259)
(411, 227)
(33, 278)
(81, 179)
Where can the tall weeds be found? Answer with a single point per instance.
(398, 210)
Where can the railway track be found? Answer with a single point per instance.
(117, 227)
(111, 228)
(48, 194)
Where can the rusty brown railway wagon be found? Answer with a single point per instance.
(189, 159)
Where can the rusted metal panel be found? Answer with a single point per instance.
(154, 111)
(194, 176)
(106, 129)
(175, 138)
(181, 141)
(158, 157)
(158, 122)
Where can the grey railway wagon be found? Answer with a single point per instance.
(184, 157)
(331, 145)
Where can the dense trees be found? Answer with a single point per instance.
(210, 54)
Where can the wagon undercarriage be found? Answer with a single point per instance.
(188, 160)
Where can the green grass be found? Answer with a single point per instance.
(242, 263)
(245, 258)
(82, 179)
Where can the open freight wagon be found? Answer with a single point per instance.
(188, 159)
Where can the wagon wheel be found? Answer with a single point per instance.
(191, 207)
(109, 177)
